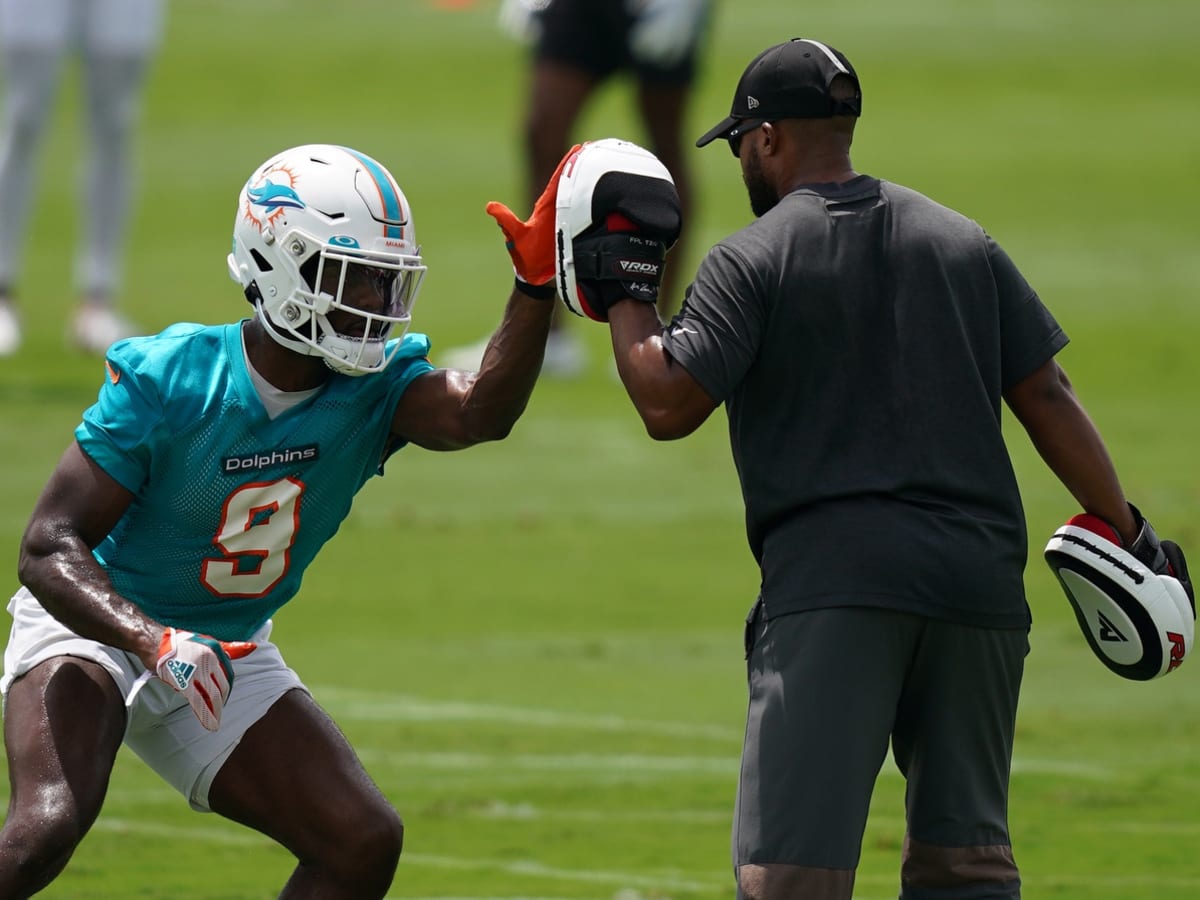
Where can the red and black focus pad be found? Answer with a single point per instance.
(644, 204)
(613, 263)
(616, 207)
(1160, 557)
(1178, 568)
(1096, 525)
(623, 255)
(1139, 622)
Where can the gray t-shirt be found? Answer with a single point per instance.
(860, 337)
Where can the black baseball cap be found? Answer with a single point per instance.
(788, 81)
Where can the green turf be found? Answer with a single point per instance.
(536, 645)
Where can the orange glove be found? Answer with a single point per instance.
(531, 243)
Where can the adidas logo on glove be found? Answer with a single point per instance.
(181, 671)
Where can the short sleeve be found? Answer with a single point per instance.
(1029, 334)
(411, 362)
(117, 430)
(717, 334)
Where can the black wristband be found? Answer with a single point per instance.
(536, 291)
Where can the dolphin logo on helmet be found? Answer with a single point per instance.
(272, 196)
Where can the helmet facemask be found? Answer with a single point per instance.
(347, 306)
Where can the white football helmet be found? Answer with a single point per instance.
(310, 221)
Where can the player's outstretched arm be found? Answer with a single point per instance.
(449, 409)
(1069, 443)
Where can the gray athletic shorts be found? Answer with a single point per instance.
(160, 726)
(104, 27)
(829, 689)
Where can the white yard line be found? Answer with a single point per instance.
(627, 882)
(532, 868)
(661, 882)
(636, 765)
(527, 812)
(382, 706)
(543, 763)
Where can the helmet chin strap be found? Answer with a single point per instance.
(338, 352)
(280, 336)
(342, 355)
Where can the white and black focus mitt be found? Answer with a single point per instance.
(1134, 604)
(616, 216)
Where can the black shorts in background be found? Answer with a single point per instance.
(593, 35)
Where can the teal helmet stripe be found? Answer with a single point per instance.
(389, 195)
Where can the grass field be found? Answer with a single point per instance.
(536, 644)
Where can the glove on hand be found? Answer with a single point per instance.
(200, 668)
(1160, 557)
(531, 243)
(521, 19)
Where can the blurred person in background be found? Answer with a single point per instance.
(114, 41)
(578, 45)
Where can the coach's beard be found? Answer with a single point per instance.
(762, 196)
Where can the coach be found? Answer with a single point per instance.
(861, 338)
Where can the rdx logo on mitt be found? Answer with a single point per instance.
(639, 267)
(1178, 649)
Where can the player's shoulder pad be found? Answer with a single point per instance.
(152, 356)
(413, 345)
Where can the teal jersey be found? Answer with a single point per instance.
(229, 505)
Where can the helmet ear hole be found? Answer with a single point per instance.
(260, 261)
(308, 271)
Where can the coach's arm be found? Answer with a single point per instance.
(1068, 441)
(670, 401)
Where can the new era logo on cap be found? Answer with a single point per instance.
(792, 80)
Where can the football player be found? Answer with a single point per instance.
(215, 464)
